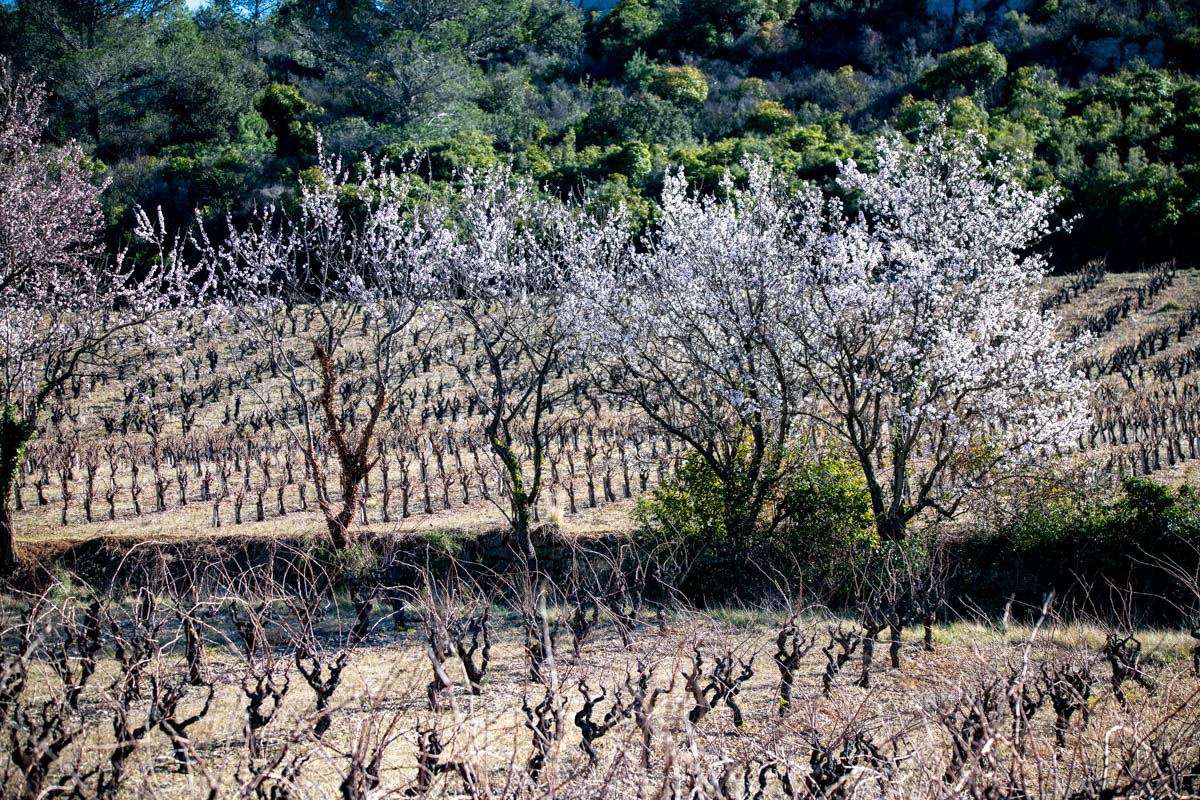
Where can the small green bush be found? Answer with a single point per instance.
(443, 543)
(633, 160)
(1083, 551)
(686, 87)
(770, 117)
(820, 509)
(286, 113)
(967, 70)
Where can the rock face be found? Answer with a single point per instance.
(1104, 53)
(946, 8)
(1113, 53)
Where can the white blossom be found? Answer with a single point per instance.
(918, 334)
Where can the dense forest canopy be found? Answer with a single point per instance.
(218, 109)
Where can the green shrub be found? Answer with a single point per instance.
(628, 27)
(829, 527)
(683, 86)
(770, 117)
(284, 110)
(645, 117)
(443, 543)
(818, 513)
(638, 71)
(967, 69)
(633, 160)
(1081, 551)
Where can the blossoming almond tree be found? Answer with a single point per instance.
(65, 312)
(918, 335)
(331, 284)
(511, 278)
(690, 331)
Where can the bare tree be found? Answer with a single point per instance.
(325, 288)
(687, 331)
(511, 275)
(64, 311)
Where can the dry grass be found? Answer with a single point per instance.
(40, 524)
(383, 700)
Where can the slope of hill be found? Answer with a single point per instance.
(219, 109)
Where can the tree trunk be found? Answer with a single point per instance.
(520, 524)
(8, 545)
(14, 436)
(868, 655)
(519, 503)
(339, 527)
(520, 500)
(889, 528)
(352, 453)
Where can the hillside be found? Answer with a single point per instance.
(219, 110)
(209, 454)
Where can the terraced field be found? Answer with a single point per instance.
(193, 443)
